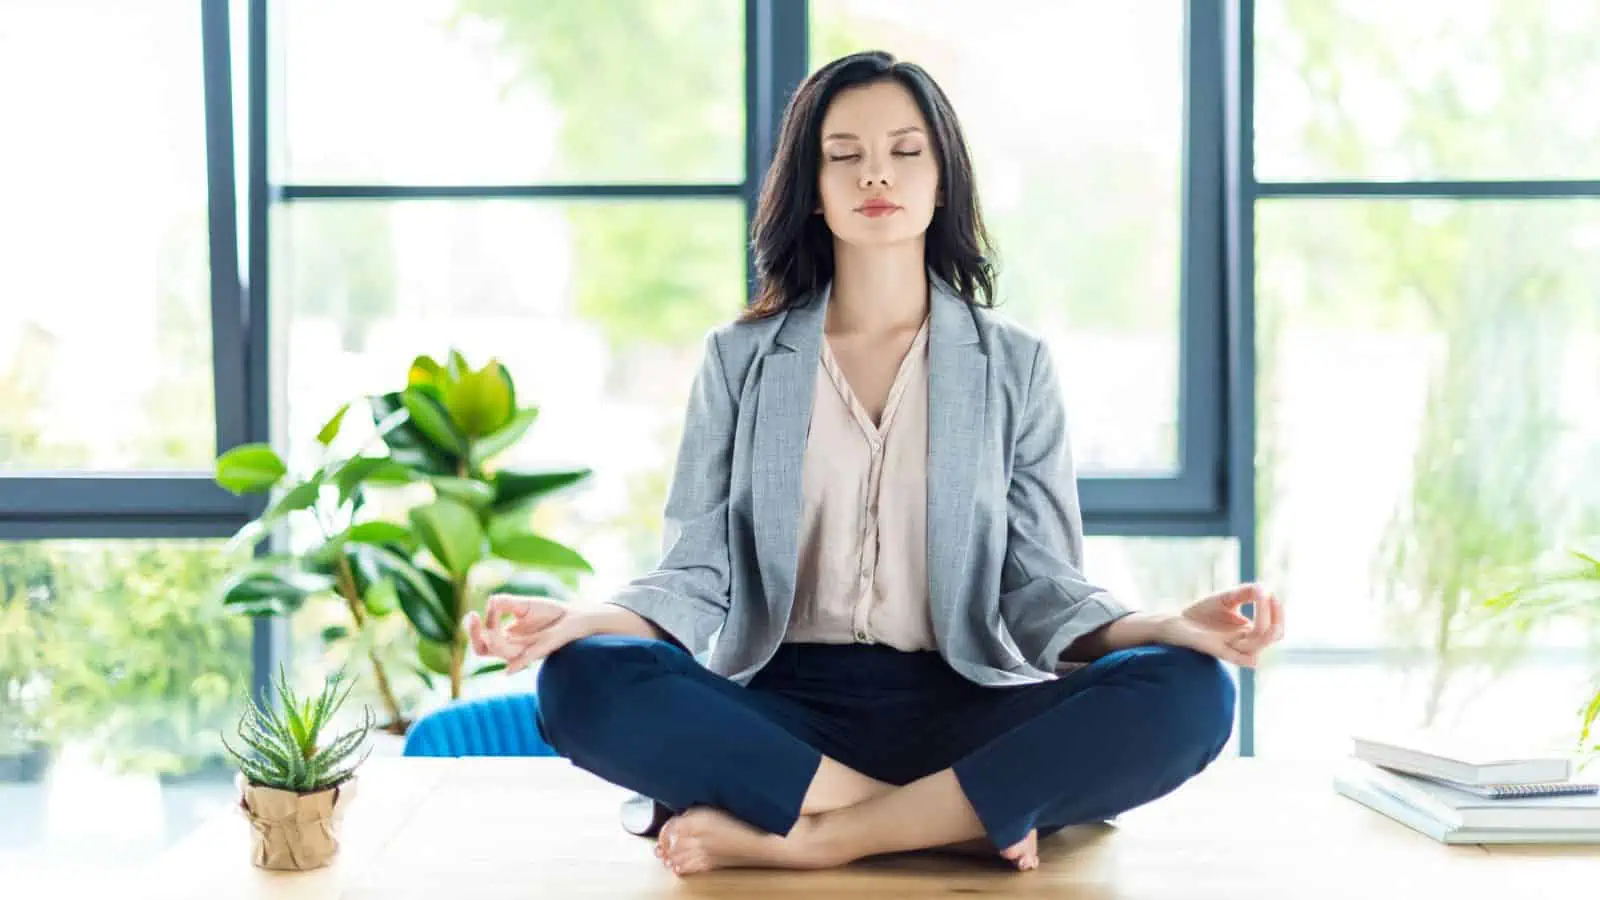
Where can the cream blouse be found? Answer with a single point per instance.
(862, 574)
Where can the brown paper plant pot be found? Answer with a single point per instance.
(290, 831)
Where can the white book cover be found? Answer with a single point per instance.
(1461, 759)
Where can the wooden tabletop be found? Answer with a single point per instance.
(498, 829)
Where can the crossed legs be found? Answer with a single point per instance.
(1119, 733)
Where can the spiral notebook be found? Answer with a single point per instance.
(1507, 791)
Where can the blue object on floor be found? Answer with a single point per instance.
(487, 726)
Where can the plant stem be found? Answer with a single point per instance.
(352, 597)
(458, 649)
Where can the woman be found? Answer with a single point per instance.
(874, 511)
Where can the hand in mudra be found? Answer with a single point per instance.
(522, 630)
(1215, 626)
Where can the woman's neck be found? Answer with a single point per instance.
(877, 290)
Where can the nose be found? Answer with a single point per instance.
(874, 175)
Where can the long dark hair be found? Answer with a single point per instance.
(793, 246)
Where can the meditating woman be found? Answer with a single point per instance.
(869, 630)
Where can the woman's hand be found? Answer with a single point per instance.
(1215, 626)
(537, 628)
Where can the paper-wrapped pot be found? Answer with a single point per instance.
(292, 831)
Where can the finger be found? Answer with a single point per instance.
(1239, 596)
(476, 633)
(536, 619)
(1262, 613)
(504, 604)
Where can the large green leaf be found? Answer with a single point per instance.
(359, 470)
(330, 430)
(541, 553)
(448, 595)
(301, 496)
(515, 487)
(434, 656)
(380, 598)
(451, 533)
(260, 591)
(433, 420)
(250, 469)
(424, 370)
(469, 491)
(418, 599)
(500, 371)
(479, 403)
(407, 445)
(492, 445)
(381, 533)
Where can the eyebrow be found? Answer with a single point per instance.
(845, 136)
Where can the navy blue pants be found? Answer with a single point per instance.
(1100, 740)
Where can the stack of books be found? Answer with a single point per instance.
(1460, 795)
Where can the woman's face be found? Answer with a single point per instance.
(879, 178)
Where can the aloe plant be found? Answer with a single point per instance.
(287, 748)
(472, 535)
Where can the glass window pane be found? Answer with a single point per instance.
(1074, 113)
(487, 91)
(1310, 711)
(1161, 574)
(1427, 89)
(105, 344)
(1428, 416)
(599, 311)
(119, 670)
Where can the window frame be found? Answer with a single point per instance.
(1211, 493)
(100, 504)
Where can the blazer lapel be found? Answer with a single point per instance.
(778, 443)
(958, 376)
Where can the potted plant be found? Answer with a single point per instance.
(295, 782)
(467, 533)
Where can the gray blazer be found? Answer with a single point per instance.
(1005, 536)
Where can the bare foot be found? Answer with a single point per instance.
(702, 839)
(1024, 854)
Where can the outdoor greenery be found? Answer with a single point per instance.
(118, 647)
(1498, 296)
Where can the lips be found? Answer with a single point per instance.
(876, 208)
